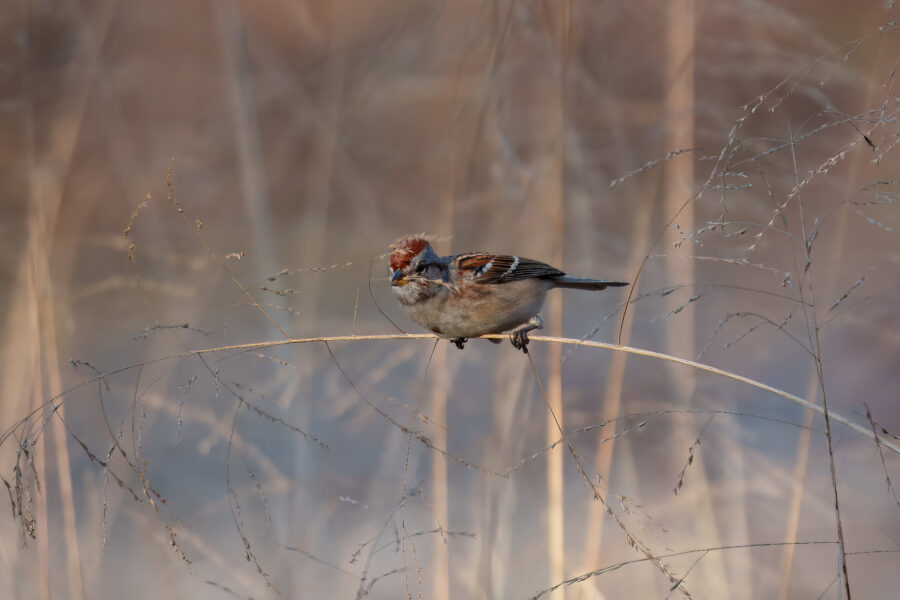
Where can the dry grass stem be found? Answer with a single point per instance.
(545, 339)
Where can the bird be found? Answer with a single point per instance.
(468, 295)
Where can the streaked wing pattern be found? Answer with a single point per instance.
(500, 268)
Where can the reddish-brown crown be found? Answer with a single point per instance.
(405, 249)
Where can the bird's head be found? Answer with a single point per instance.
(416, 270)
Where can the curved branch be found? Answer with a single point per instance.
(541, 338)
(593, 344)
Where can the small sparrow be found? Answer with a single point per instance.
(472, 294)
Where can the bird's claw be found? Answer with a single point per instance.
(519, 337)
(460, 342)
(520, 340)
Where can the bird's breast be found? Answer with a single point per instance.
(474, 310)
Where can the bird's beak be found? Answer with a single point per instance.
(397, 278)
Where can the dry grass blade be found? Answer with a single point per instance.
(887, 477)
(586, 343)
(690, 458)
(427, 336)
(631, 538)
(704, 551)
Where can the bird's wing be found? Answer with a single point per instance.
(482, 267)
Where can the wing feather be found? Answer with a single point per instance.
(482, 267)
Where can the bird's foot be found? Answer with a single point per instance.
(519, 340)
(459, 342)
(519, 336)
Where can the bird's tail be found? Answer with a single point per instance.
(580, 283)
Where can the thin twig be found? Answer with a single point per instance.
(619, 565)
(428, 336)
(631, 538)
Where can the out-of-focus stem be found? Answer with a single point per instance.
(556, 186)
(612, 395)
(679, 329)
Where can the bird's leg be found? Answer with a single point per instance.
(460, 342)
(519, 335)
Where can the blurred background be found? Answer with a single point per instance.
(182, 176)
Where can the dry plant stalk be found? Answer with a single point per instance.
(551, 194)
(678, 187)
(612, 396)
(539, 338)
